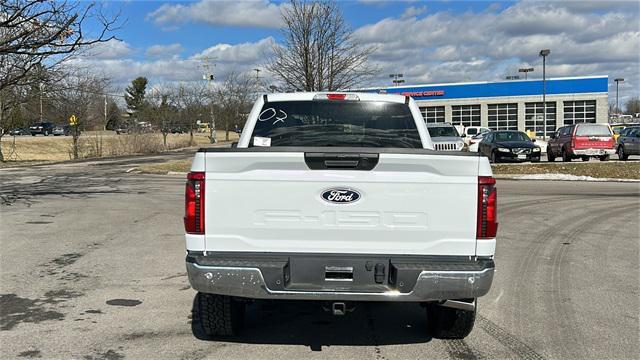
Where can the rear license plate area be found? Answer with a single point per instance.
(337, 274)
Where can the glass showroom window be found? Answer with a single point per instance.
(503, 116)
(534, 117)
(579, 112)
(433, 114)
(465, 115)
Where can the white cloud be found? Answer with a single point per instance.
(413, 11)
(164, 50)
(112, 49)
(598, 39)
(257, 14)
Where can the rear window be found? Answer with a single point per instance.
(472, 131)
(593, 130)
(337, 123)
(443, 131)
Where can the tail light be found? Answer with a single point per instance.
(573, 143)
(335, 96)
(194, 203)
(487, 225)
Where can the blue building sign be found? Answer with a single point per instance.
(578, 85)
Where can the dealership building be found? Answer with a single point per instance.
(512, 105)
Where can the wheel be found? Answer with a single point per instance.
(551, 157)
(585, 158)
(449, 323)
(536, 160)
(494, 158)
(565, 156)
(604, 158)
(621, 153)
(33, 134)
(219, 315)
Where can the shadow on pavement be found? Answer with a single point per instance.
(306, 323)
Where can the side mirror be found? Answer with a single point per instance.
(552, 136)
(533, 140)
(463, 135)
(234, 144)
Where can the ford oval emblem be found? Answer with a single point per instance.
(340, 196)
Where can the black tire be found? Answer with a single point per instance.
(565, 156)
(585, 158)
(536, 160)
(551, 157)
(33, 134)
(448, 323)
(621, 154)
(604, 158)
(494, 158)
(219, 315)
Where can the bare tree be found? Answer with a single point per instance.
(37, 35)
(318, 50)
(191, 101)
(234, 97)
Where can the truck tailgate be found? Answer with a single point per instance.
(409, 204)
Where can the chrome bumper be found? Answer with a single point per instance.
(594, 152)
(249, 282)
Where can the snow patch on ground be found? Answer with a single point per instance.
(567, 177)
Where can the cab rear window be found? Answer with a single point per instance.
(337, 123)
(593, 130)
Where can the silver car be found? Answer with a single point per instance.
(445, 137)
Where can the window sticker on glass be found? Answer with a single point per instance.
(261, 141)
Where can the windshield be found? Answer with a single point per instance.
(511, 136)
(443, 131)
(337, 123)
(593, 130)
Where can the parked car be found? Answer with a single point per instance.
(628, 142)
(471, 131)
(445, 137)
(62, 130)
(583, 140)
(44, 128)
(474, 142)
(509, 145)
(355, 207)
(19, 132)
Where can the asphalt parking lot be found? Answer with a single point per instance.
(92, 266)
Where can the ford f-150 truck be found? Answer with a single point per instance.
(339, 198)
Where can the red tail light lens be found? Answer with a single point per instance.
(487, 223)
(194, 203)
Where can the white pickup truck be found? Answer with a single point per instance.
(339, 198)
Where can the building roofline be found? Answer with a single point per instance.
(480, 82)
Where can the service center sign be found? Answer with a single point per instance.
(424, 93)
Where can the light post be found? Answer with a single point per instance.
(525, 71)
(618, 81)
(396, 79)
(544, 53)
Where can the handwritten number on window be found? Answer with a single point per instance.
(271, 113)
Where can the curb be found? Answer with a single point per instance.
(544, 177)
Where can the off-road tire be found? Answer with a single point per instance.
(449, 323)
(604, 158)
(219, 315)
(621, 154)
(585, 158)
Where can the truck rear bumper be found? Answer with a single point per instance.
(408, 278)
(593, 152)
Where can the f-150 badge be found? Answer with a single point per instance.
(340, 196)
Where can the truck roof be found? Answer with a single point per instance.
(308, 96)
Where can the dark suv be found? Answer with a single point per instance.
(584, 140)
(44, 128)
(629, 142)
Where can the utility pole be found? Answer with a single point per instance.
(105, 112)
(544, 53)
(208, 75)
(257, 74)
(41, 112)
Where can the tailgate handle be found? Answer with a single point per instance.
(341, 161)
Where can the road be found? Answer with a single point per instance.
(92, 266)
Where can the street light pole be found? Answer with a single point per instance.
(617, 80)
(396, 79)
(544, 53)
(525, 71)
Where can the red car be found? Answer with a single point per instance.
(584, 140)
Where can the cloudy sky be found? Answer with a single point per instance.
(427, 41)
